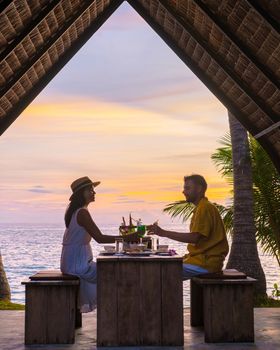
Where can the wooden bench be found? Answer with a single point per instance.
(51, 312)
(223, 304)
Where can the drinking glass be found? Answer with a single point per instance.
(119, 245)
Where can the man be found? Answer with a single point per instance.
(207, 241)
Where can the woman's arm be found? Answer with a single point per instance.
(84, 219)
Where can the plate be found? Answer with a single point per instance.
(138, 253)
(104, 252)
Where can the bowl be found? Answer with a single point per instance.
(109, 248)
(162, 248)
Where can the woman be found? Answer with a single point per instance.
(76, 256)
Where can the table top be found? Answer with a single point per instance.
(155, 258)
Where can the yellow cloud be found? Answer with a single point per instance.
(97, 117)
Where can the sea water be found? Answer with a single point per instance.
(27, 248)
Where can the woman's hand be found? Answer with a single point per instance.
(132, 237)
(155, 230)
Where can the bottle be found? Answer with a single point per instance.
(141, 229)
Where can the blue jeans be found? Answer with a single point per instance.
(190, 271)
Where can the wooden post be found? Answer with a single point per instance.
(172, 321)
(196, 304)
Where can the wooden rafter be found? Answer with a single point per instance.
(26, 100)
(272, 22)
(28, 29)
(4, 4)
(44, 48)
(237, 42)
(227, 70)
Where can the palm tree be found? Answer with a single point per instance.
(266, 189)
(244, 254)
(5, 293)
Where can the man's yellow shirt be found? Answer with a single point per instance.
(212, 248)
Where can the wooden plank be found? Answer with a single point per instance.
(172, 304)
(60, 314)
(150, 303)
(243, 314)
(225, 274)
(48, 275)
(244, 281)
(35, 320)
(216, 326)
(228, 313)
(52, 283)
(128, 276)
(107, 311)
(196, 304)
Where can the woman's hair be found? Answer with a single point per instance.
(78, 201)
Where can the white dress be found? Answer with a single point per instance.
(77, 259)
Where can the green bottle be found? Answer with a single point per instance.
(141, 229)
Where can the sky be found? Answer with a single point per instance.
(125, 111)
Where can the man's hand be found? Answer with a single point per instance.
(155, 230)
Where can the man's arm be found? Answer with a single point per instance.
(185, 237)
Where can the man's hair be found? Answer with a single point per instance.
(198, 180)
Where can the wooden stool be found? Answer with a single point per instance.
(223, 304)
(51, 308)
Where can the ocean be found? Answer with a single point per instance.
(27, 248)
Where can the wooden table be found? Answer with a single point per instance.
(139, 301)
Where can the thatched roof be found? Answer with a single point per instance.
(232, 46)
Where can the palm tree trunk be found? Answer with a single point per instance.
(5, 293)
(244, 254)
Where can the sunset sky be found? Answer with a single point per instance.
(126, 111)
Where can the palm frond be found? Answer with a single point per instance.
(181, 209)
(222, 158)
(227, 215)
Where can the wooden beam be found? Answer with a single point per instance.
(267, 130)
(237, 42)
(220, 61)
(31, 26)
(221, 96)
(4, 4)
(264, 14)
(26, 100)
(44, 48)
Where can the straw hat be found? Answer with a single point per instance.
(81, 183)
